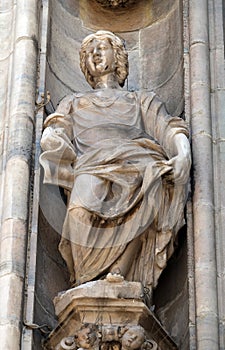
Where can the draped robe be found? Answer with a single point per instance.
(109, 149)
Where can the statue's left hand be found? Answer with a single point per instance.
(181, 162)
(181, 169)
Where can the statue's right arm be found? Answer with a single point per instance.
(58, 155)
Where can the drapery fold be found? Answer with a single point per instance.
(110, 149)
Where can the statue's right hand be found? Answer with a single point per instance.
(52, 119)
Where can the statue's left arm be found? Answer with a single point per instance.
(171, 133)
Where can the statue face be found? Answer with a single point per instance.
(100, 59)
(86, 338)
(133, 339)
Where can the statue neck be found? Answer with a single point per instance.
(107, 81)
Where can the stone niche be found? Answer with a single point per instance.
(155, 47)
(153, 31)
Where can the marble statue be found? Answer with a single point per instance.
(124, 163)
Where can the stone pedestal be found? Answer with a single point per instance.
(108, 309)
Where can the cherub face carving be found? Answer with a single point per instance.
(133, 338)
(86, 337)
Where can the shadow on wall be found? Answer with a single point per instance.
(171, 295)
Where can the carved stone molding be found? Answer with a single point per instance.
(108, 337)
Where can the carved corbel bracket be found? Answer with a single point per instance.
(106, 315)
(109, 337)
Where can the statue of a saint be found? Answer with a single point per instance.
(124, 162)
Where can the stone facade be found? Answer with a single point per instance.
(177, 49)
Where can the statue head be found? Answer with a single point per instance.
(133, 338)
(120, 55)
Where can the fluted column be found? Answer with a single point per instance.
(217, 65)
(203, 194)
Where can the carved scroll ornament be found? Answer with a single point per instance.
(109, 337)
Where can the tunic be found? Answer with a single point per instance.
(109, 148)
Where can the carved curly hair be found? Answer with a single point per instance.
(121, 56)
